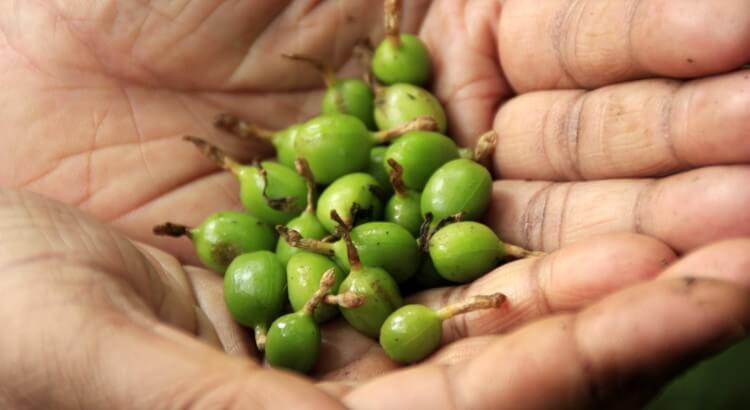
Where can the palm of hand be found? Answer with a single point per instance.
(133, 79)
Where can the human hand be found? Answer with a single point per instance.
(92, 320)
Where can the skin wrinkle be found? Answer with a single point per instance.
(642, 205)
(668, 122)
(563, 29)
(563, 214)
(570, 136)
(631, 19)
(534, 283)
(531, 215)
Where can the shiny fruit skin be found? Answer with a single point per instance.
(353, 97)
(464, 251)
(377, 168)
(293, 342)
(405, 211)
(408, 62)
(222, 236)
(411, 333)
(400, 103)
(303, 275)
(282, 183)
(460, 185)
(381, 294)
(343, 193)
(283, 141)
(255, 289)
(420, 154)
(308, 226)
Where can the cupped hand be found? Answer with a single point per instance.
(98, 94)
(93, 320)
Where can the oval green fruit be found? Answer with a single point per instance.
(353, 97)
(420, 154)
(405, 211)
(282, 183)
(460, 185)
(381, 294)
(377, 168)
(411, 333)
(293, 342)
(308, 226)
(359, 188)
(304, 272)
(401, 103)
(463, 251)
(283, 142)
(407, 62)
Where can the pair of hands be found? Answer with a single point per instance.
(613, 174)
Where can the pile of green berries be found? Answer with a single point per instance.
(397, 212)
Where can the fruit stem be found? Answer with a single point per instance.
(363, 52)
(295, 240)
(325, 71)
(395, 175)
(393, 22)
(303, 168)
(485, 145)
(424, 233)
(492, 301)
(517, 251)
(287, 204)
(346, 300)
(234, 125)
(326, 283)
(351, 250)
(449, 220)
(172, 229)
(421, 123)
(260, 337)
(214, 153)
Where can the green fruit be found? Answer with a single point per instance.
(400, 103)
(293, 342)
(222, 236)
(308, 226)
(283, 141)
(353, 97)
(460, 185)
(361, 189)
(411, 333)
(406, 62)
(282, 183)
(381, 294)
(420, 154)
(304, 272)
(464, 251)
(334, 145)
(377, 168)
(294, 339)
(255, 291)
(404, 210)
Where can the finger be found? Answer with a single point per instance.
(348, 356)
(600, 356)
(639, 129)
(466, 73)
(209, 293)
(726, 260)
(558, 282)
(685, 210)
(590, 43)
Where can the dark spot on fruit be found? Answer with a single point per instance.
(224, 253)
(411, 96)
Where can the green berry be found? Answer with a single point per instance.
(304, 272)
(283, 141)
(353, 97)
(360, 189)
(404, 210)
(464, 251)
(420, 153)
(408, 61)
(294, 339)
(308, 226)
(255, 291)
(459, 186)
(259, 194)
(377, 168)
(400, 103)
(413, 332)
(222, 236)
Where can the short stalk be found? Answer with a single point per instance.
(215, 154)
(234, 125)
(395, 175)
(517, 251)
(425, 234)
(421, 123)
(260, 337)
(492, 301)
(325, 71)
(172, 229)
(346, 300)
(351, 251)
(286, 204)
(393, 22)
(485, 146)
(295, 240)
(303, 168)
(326, 283)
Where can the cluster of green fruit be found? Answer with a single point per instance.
(390, 218)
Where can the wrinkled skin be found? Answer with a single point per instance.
(96, 95)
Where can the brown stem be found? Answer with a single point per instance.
(424, 233)
(295, 240)
(393, 22)
(485, 146)
(260, 337)
(449, 220)
(351, 251)
(421, 123)
(303, 168)
(395, 175)
(234, 125)
(287, 204)
(325, 71)
(519, 252)
(326, 283)
(214, 153)
(172, 229)
(492, 301)
(345, 300)
(363, 52)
